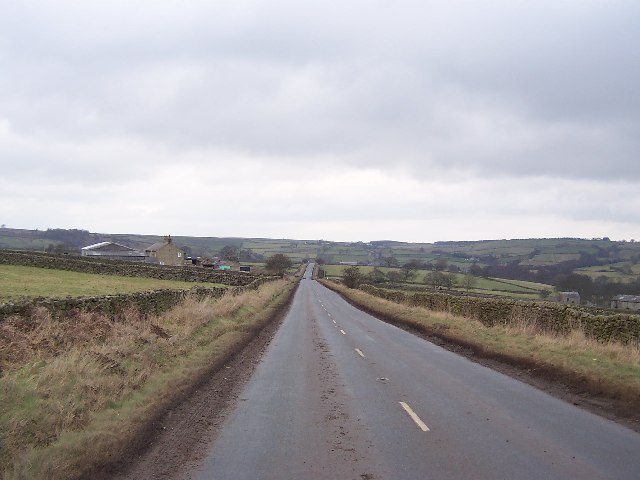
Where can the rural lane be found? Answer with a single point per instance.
(342, 395)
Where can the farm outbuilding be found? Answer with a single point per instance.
(626, 302)
(226, 265)
(165, 253)
(112, 251)
(570, 298)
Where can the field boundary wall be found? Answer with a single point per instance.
(550, 317)
(123, 268)
(149, 302)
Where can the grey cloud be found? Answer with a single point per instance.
(375, 74)
(438, 90)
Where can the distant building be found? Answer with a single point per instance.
(224, 264)
(112, 251)
(571, 298)
(165, 253)
(626, 302)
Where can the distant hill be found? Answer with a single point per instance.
(598, 268)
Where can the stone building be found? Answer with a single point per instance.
(112, 251)
(626, 302)
(165, 253)
(571, 298)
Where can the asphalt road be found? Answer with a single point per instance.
(342, 395)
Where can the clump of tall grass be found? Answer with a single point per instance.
(576, 341)
(74, 390)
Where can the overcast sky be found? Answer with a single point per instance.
(352, 120)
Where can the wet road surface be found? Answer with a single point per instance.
(342, 395)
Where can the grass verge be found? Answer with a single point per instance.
(76, 394)
(606, 370)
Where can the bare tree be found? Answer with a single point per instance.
(410, 269)
(469, 281)
(278, 264)
(390, 261)
(352, 277)
(435, 279)
(441, 264)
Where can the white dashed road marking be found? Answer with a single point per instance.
(415, 417)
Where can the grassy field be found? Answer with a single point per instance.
(550, 259)
(75, 393)
(17, 282)
(530, 252)
(616, 272)
(608, 369)
(294, 249)
(487, 286)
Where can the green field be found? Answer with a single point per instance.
(486, 286)
(531, 252)
(603, 260)
(17, 282)
(615, 272)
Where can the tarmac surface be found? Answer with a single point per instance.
(339, 394)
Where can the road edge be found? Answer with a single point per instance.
(249, 351)
(557, 382)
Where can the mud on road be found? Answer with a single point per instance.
(181, 438)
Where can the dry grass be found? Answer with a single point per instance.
(576, 340)
(77, 390)
(609, 369)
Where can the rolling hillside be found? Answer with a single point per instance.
(598, 268)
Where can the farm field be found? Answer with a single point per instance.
(296, 250)
(551, 258)
(17, 282)
(616, 272)
(530, 252)
(487, 286)
(597, 268)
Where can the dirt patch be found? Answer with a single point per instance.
(181, 434)
(556, 381)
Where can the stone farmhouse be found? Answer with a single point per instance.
(165, 253)
(161, 253)
(626, 302)
(112, 251)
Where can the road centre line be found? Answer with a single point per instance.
(333, 320)
(360, 352)
(415, 417)
(343, 332)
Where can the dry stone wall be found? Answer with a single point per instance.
(123, 268)
(552, 317)
(151, 302)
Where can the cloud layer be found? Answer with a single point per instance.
(414, 121)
